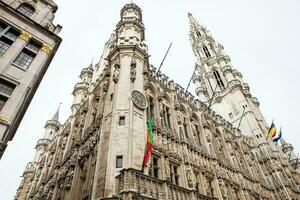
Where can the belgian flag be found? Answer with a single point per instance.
(272, 130)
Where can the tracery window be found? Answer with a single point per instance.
(26, 9)
(154, 168)
(150, 109)
(218, 79)
(174, 168)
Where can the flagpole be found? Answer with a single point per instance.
(241, 118)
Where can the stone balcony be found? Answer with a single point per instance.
(81, 86)
(42, 142)
(131, 182)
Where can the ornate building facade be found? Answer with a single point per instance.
(28, 42)
(200, 152)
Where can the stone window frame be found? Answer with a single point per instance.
(152, 168)
(206, 51)
(119, 161)
(4, 96)
(174, 176)
(122, 120)
(26, 56)
(26, 9)
(151, 107)
(8, 36)
(218, 78)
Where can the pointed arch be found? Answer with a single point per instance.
(151, 96)
(206, 51)
(218, 79)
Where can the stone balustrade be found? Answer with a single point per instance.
(133, 181)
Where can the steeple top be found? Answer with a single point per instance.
(131, 11)
(56, 115)
(194, 24)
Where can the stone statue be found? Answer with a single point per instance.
(105, 85)
(189, 177)
(116, 75)
(133, 71)
(167, 167)
(223, 190)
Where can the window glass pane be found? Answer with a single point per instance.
(122, 121)
(33, 46)
(2, 101)
(2, 26)
(26, 10)
(4, 44)
(24, 59)
(6, 88)
(119, 162)
(12, 34)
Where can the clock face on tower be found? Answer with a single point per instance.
(138, 99)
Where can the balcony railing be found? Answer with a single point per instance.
(131, 180)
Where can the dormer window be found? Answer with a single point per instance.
(206, 51)
(198, 33)
(26, 9)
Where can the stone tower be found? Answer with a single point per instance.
(28, 43)
(123, 132)
(98, 152)
(221, 86)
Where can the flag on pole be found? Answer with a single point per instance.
(278, 137)
(272, 130)
(149, 143)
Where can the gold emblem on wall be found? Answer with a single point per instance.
(5, 118)
(25, 36)
(47, 48)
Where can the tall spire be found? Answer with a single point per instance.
(221, 86)
(194, 24)
(56, 115)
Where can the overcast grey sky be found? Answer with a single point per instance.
(261, 37)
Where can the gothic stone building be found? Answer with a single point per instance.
(199, 153)
(28, 42)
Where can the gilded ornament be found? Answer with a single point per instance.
(47, 48)
(25, 36)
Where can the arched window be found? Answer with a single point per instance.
(198, 33)
(206, 51)
(26, 9)
(218, 79)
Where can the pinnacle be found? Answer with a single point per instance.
(56, 115)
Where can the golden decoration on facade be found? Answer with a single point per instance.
(25, 36)
(47, 48)
(4, 118)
